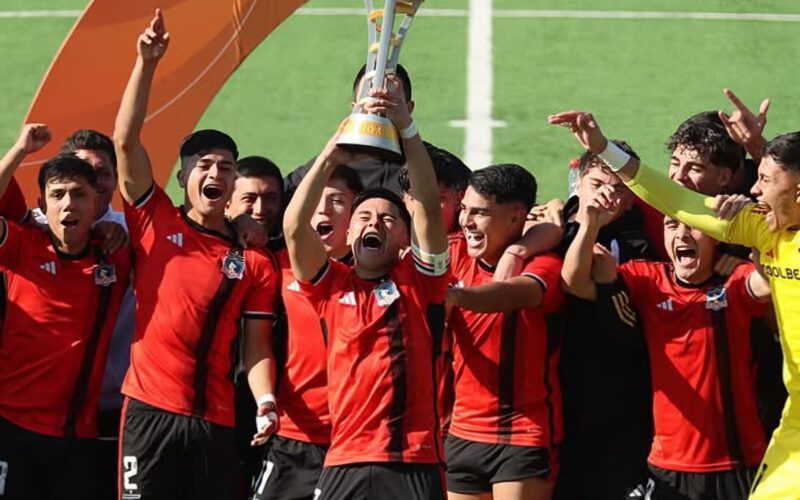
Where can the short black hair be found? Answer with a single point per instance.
(450, 171)
(258, 166)
(349, 177)
(785, 150)
(91, 140)
(589, 159)
(401, 73)
(507, 183)
(384, 194)
(705, 133)
(203, 141)
(65, 167)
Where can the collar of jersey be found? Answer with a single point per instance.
(199, 227)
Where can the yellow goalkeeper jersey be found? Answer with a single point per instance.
(780, 260)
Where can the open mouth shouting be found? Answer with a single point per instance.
(212, 192)
(685, 255)
(324, 229)
(69, 223)
(372, 241)
(474, 239)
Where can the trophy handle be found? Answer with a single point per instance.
(401, 35)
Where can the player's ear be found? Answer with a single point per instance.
(725, 177)
(181, 175)
(797, 193)
(411, 106)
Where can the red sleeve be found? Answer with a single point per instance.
(10, 244)
(12, 204)
(637, 276)
(259, 303)
(320, 288)
(739, 287)
(546, 270)
(141, 214)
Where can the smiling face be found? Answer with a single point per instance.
(208, 182)
(779, 189)
(697, 172)
(69, 205)
(489, 227)
(692, 253)
(259, 197)
(332, 217)
(377, 234)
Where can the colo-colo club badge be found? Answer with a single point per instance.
(716, 299)
(233, 265)
(386, 293)
(104, 275)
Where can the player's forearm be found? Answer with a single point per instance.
(8, 165)
(428, 224)
(506, 296)
(576, 273)
(759, 285)
(258, 357)
(135, 175)
(672, 199)
(539, 238)
(306, 251)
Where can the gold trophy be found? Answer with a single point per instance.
(368, 132)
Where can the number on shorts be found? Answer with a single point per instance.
(131, 466)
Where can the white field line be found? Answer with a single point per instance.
(500, 13)
(478, 125)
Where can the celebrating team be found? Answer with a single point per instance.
(400, 331)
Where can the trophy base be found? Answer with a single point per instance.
(372, 134)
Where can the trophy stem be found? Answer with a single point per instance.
(386, 41)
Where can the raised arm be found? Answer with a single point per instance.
(133, 164)
(577, 276)
(306, 252)
(743, 126)
(652, 186)
(428, 232)
(33, 137)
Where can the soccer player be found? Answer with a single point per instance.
(63, 297)
(193, 282)
(293, 458)
(258, 192)
(506, 420)
(384, 439)
(603, 369)
(770, 227)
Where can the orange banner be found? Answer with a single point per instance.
(83, 87)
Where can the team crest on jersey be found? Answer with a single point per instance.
(386, 293)
(233, 265)
(105, 275)
(716, 299)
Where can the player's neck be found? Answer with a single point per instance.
(339, 253)
(212, 221)
(70, 246)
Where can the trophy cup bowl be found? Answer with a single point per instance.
(370, 133)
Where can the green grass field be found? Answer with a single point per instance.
(641, 77)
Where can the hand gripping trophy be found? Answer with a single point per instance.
(371, 132)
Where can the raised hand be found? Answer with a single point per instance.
(726, 206)
(584, 127)
(743, 126)
(33, 137)
(390, 102)
(603, 206)
(154, 40)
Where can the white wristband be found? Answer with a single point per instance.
(614, 157)
(266, 398)
(410, 131)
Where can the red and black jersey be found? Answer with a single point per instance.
(381, 386)
(60, 314)
(192, 285)
(698, 338)
(506, 377)
(303, 390)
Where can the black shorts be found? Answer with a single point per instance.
(731, 484)
(165, 455)
(387, 481)
(473, 467)
(290, 470)
(34, 466)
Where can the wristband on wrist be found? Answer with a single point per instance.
(614, 157)
(410, 131)
(267, 399)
